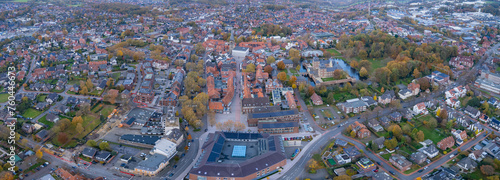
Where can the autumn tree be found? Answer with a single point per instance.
(342, 177)
(294, 53)
(270, 60)
(365, 63)
(292, 80)
(281, 65)
(443, 114)
(391, 144)
(62, 138)
(282, 76)
(79, 128)
(424, 84)
(250, 68)
(310, 91)
(416, 73)
(338, 74)
(228, 125)
(353, 133)
(487, 170)
(396, 131)
(39, 153)
(432, 123)
(111, 96)
(268, 69)
(363, 72)
(239, 126)
(76, 120)
(420, 136)
(89, 84)
(354, 64)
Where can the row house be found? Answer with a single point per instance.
(461, 62)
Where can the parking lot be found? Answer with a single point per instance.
(324, 116)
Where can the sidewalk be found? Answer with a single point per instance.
(201, 141)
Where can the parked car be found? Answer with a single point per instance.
(420, 170)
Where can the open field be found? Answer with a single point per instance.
(32, 113)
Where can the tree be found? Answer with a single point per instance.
(363, 72)
(362, 54)
(250, 68)
(239, 126)
(84, 90)
(282, 76)
(7, 175)
(62, 138)
(281, 65)
(365, 63)
(420, 136)
(487, 170)
(416, 73)
(270, 60)
(79, 128)
(443, 114)
(391, 144)
(338, 74)
(91, 143)
(111, 96)
(39, 153)
(310, 91)
(89, 84)
(354, 64)
(353, 134)
(424, 84)
(330, 98)
(432, 123)
(294, 53)
(268, 69)
(292, 80)
(438, 111)
(350, 172)
(119, 53)
(104, 146)
(485, 106)
(396, 131)
(228, 125)
(313, 164)
(76, 120)
(382, 90)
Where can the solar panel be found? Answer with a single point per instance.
(244, 136)
(231, 135)
(212, 157)
(217, 148)
(220, 140)
(272, 145)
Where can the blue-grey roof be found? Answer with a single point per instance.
(273, 114)
(149, 140)
(278, 125)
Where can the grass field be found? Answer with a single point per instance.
(44, 121)
(386, 156)
(328, 79)
(341, 97)
(334, 52)
(41, 98)
(4, 97)
(431, 134)
(105, 111)
(32, 113)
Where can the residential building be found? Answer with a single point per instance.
(316, 99)
(342, 159)
(477, 155)
(467, 164)
(400, 162)
(278, 127)
(387, 97)
(366, 165)
(360, 130)
(430, 151)
(473, 112)
(164, 147)
(420, 108)
(353, 106)
(418, 157)
(446, 143)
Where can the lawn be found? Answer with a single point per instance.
(106, 110)
(431, 134)
(32, 113)
(284, 70)
(328, 79)
(44, 121)
(89, 123)
(377, 62)
(474, 175)
(334, 52)
(41, 98)
(341, 97)
(386, 156)
(4, 97)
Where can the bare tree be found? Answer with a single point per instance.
(211, 118)
(239, 126)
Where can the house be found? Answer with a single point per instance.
(340, 142)
(400, 162)
(467, 164)
(420, 108)
(102, 156)
(353, 105)
(89, 152)
(352, 152)
(418, 157)
(366, 165)
(473, 112)
(379, 142)
(457, 92)
(395, 116)
(477, 155)
(43, 135)
(51, 98)
(66, 175)
(404, 93)
(342, 159)
(493, 101)
(414, 88)
(484, 118)
(446, 143)
(460, 136)
(28, 128)
(52, 117)
(384, 121)
(453, 102)
(373, 123)
(387, 97)
(430, 151)
(316, 99)
(360, 130)
(494, 123)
